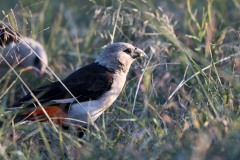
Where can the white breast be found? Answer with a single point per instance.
(89, 111)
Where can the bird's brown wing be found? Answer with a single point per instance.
(87, 83)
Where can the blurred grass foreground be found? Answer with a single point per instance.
(184, 104)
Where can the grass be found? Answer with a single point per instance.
(184, 104)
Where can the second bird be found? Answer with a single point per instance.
(19, 50)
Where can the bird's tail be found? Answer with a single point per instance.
(55, 113)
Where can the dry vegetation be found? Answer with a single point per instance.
(181, 104)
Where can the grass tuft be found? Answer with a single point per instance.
(181, 104)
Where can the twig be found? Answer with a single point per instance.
(115, 24)
(140, 79)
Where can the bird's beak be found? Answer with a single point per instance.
(138, 53)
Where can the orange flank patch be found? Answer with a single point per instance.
(56, 114)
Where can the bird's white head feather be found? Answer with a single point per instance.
(26, 51)
(119, 56)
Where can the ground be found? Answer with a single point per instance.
(182, 103)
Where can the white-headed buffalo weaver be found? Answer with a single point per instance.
(17, 49)
(95, 87)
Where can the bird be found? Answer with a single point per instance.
(86, 93)
(17, 49)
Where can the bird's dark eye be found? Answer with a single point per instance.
(37, 63)
(128, 51)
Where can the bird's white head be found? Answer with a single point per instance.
(25, 52)
(119, 56)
